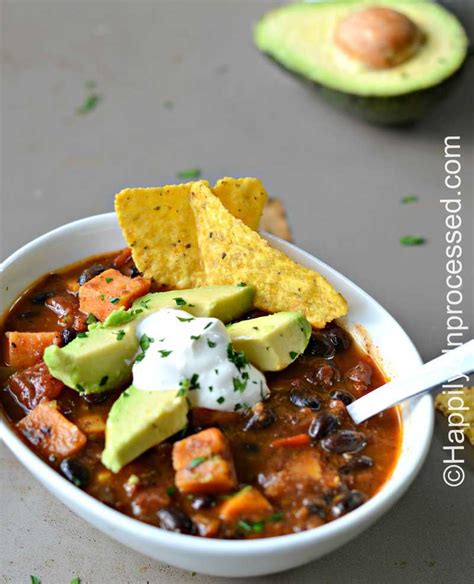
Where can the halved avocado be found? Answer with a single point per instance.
(305, 38)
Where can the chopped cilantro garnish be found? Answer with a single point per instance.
(180, 301)
(238, 358)
(239, 384)
(189, 173)
(208, 325)
(256, 526)
(75, 581)
(275, 517)
(237, 407)
(82, 335)
(80, 388)
(144, 302)
(195, 337)
(114, 299)
(170, 491)
(182, 319)
(216, 371)
(409, 199)
(90, 103)
(35, 580)
(210, 388)
(108, 280)
(120, 334)
(192, 383)
(91, 319)
(241, 285)
(197, 461)
(125, 393)
(211, 344)
(255, 328)
(182, 391)
(104, 380)
(412, 240)
(145, 342)
(293, 355)
(139, 357)
(220, 400)
(165, 353)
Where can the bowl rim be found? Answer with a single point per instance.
(366, 514)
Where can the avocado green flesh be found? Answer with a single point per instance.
(300, 37)
(271, 342)
(139, 420)
(103, 359)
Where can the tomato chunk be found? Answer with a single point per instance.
(110, 290)
(26, 349)
(50, 432)
(203, 463)
(33, 384)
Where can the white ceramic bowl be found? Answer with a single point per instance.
(101, 233)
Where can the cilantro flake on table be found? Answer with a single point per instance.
(409, 199)
(411, 240)
(189, 173)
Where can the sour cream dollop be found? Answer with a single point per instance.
(195, 354)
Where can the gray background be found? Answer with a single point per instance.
(233, 114)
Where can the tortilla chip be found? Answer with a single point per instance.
(245, 198)
(274, 219)
(449, 403)
(158, 225)
(232, 253)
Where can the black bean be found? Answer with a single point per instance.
(91, 272)
(68, 335)
(344, 441)
(315, 508)
(134, 272)
(262, 417)
(323, 374)
(347, 502)
(320, 346)
(302, 400)
(339, 338)
(344, 396)
(75, 472)
(175, 520)
(322, 425)
(96, 398)
(41, 297)
(28, 314)
(204, 502)
(360, 463)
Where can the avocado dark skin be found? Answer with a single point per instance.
(399, 110)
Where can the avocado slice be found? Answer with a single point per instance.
(101, 359)
(225, 303)
(271, 342)
(139, 420)
(302, 37)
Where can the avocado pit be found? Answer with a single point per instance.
(379, 37)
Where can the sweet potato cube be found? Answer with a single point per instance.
(247, 504)
(26, 349)
(110, 290)
(31, 385)
(91, 424)
(50, 432)
(203, 463)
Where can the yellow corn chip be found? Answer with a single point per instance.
(245, 198)
(158, 224)
(233, 253)
(451, 403)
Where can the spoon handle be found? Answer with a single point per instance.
(425, 378)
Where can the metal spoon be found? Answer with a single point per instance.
(423, 379)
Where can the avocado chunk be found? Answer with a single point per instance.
(225, 303)
(271, 342)
(139, 420)
(96, 361)
(324, 43)
(102, 358)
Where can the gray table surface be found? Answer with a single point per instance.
(232, 113)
